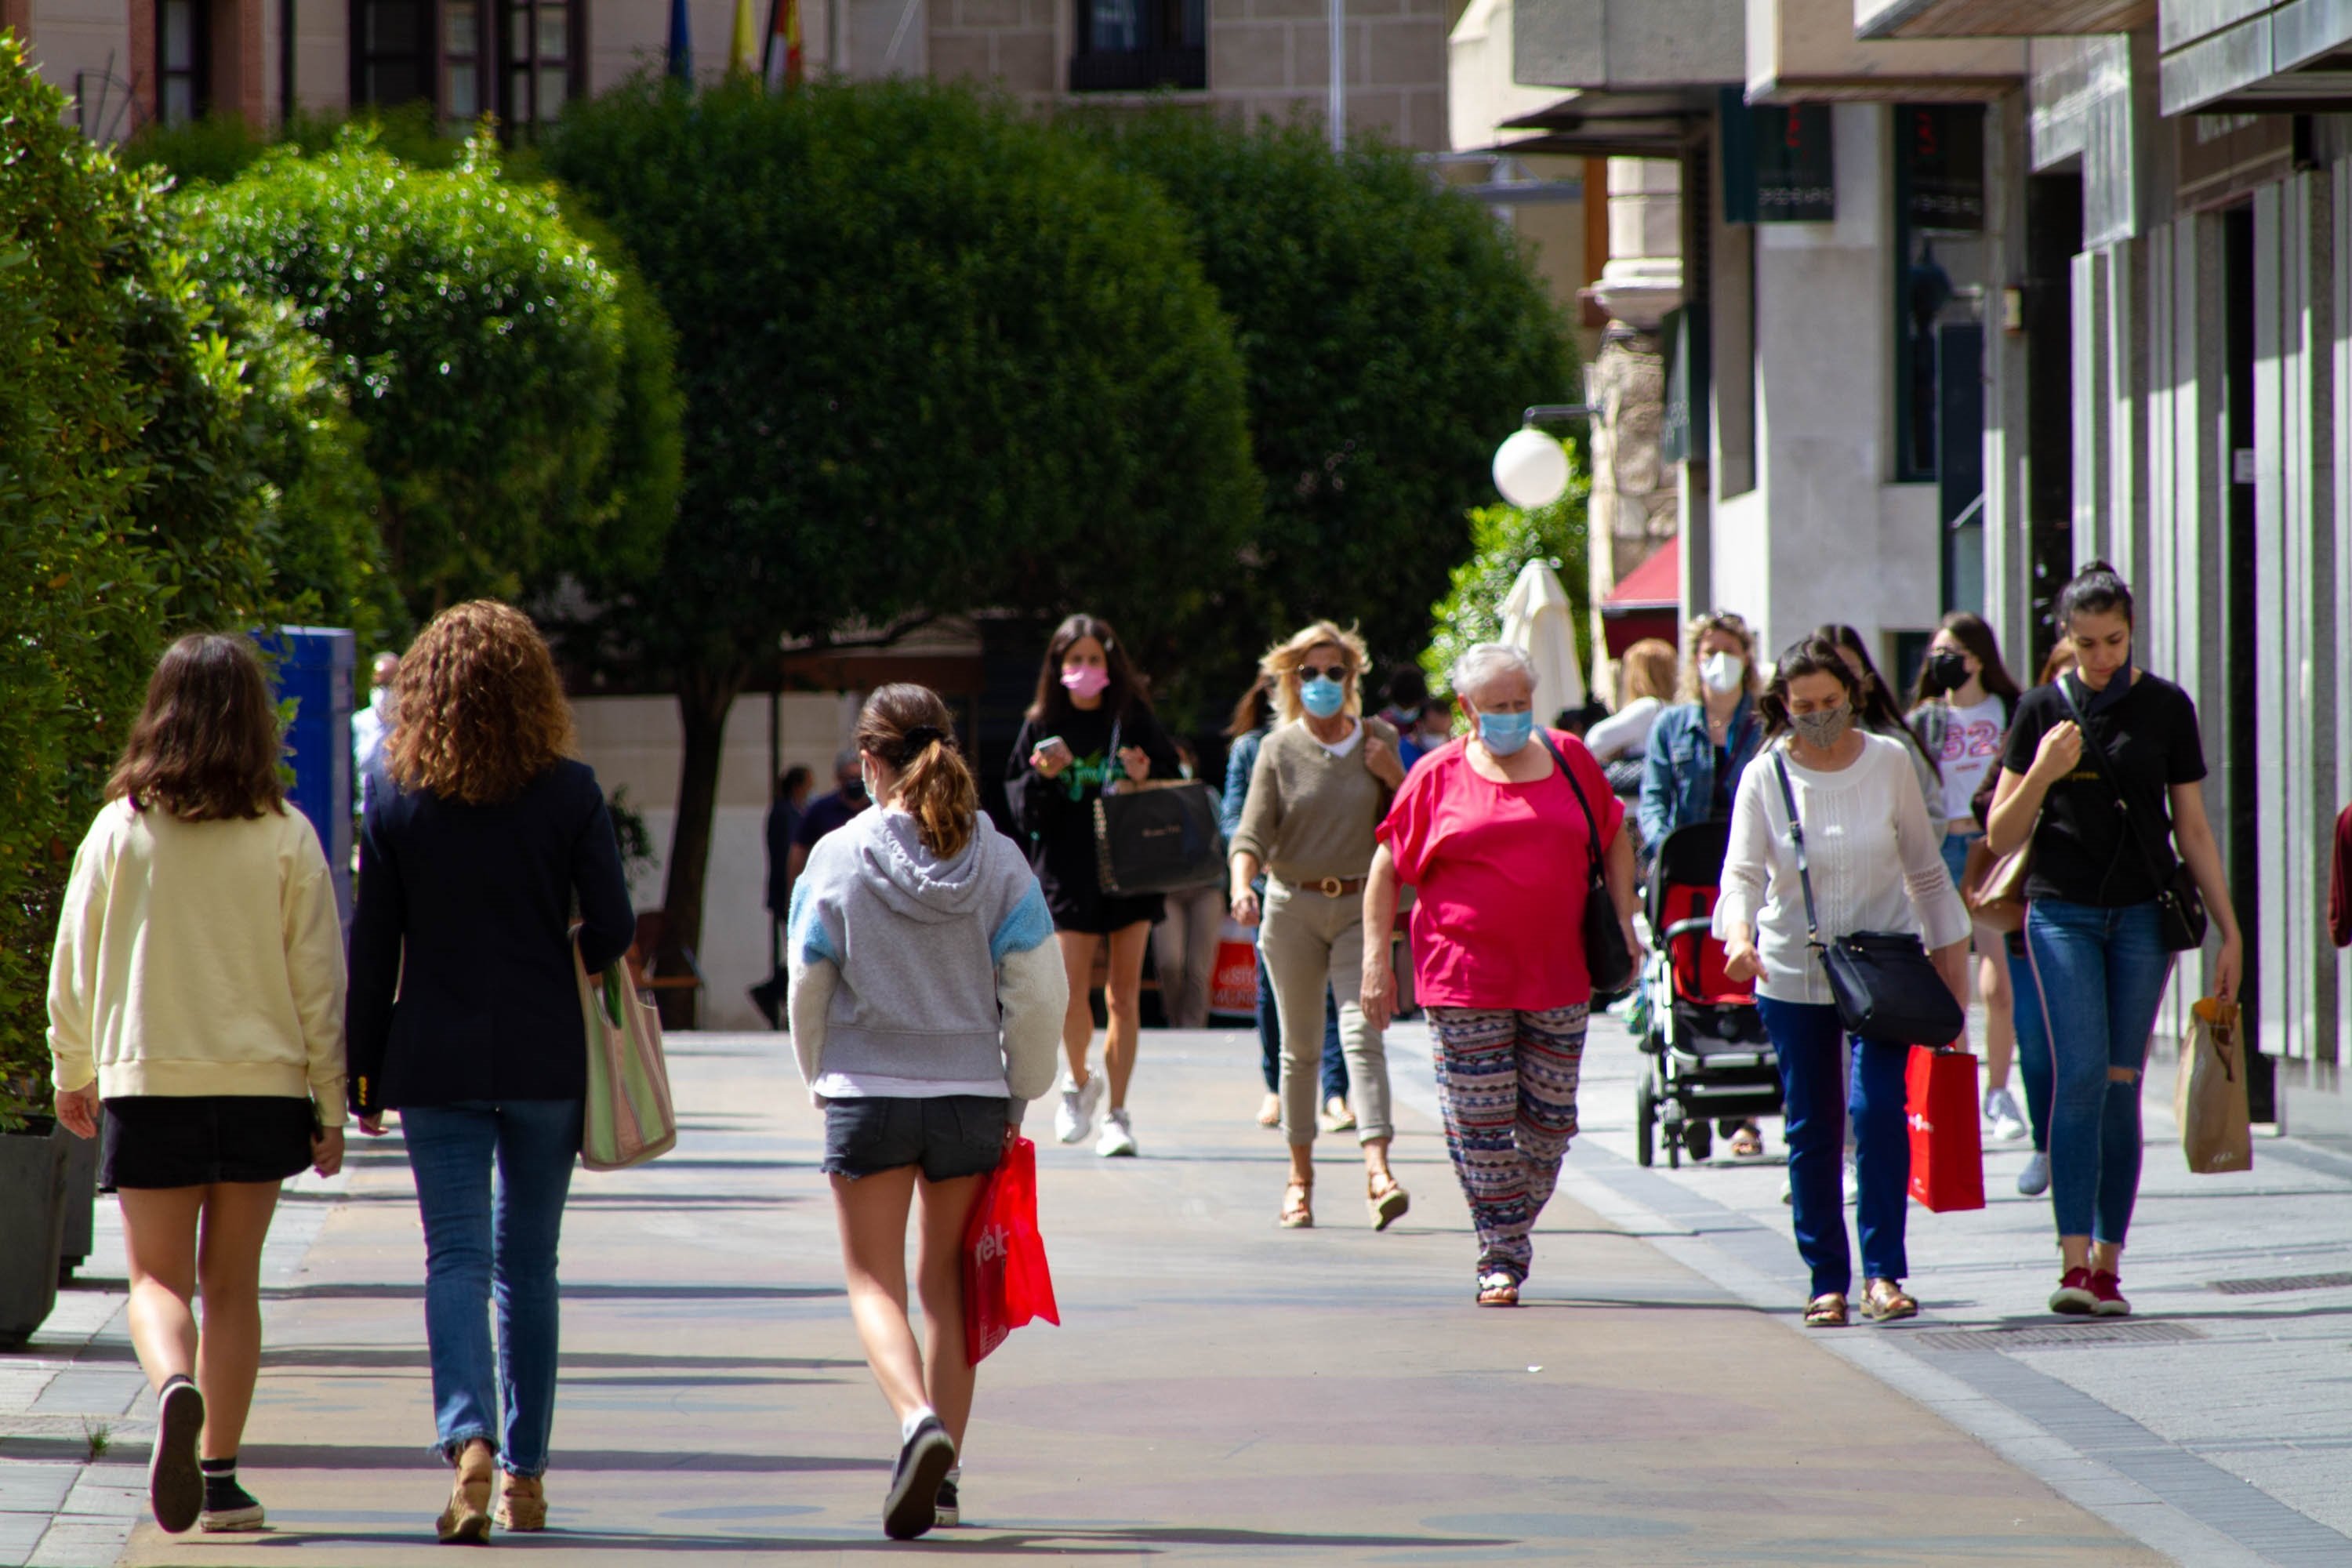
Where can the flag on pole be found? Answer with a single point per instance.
(784, 66)
(743, 45)
(681, 43)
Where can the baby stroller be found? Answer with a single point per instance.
(1708, 1057)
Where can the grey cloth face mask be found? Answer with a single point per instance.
(1824, 727)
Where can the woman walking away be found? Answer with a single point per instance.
(926, 995)
(1322, 782)
(195, 1010)
(1497, 830)
(465, 1018)
(2103, 774)
(1253, 721)
(1875, 868)
(1961, 713)
(1089, 726)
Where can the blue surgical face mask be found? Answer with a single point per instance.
(1322, 697)
(1504, 733)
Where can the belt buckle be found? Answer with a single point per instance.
(1331, 887)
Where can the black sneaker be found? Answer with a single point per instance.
(175, 1487)
(947, 1515)
(228, 1506)
(912, 1506)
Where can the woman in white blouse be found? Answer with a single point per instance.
(1875, 867)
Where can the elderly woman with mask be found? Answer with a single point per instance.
(1323, 778)
(1497, 831)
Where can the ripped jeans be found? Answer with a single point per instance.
(2101, 974)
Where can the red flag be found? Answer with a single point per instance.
(783, 63)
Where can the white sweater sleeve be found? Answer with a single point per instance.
(73, 970)
(1942, 917)
(1747, 856)
(313, 935)
(1033, 988)
(810, 986)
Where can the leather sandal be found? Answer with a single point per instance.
(1884, 1301)
(1497, 1289)
(522, 1503)
(1385, 1199)
(1299, 1205)
(466, 1521)
(1825, 1311)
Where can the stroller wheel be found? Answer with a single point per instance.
(1645, 1122)
(1700, 1137)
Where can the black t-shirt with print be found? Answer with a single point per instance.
(2151, 741)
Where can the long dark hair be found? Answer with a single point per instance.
(1254, 712)
(1817, 655)
(1876, 709)
(910, 729)
(1972, 631)
(1051, 703)
(205, 745)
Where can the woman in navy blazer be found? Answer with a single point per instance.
(465, 1017)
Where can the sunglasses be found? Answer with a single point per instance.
(1338, 672)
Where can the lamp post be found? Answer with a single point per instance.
(1530, 467)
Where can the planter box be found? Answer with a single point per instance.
(32, 1224)
(80, 1204)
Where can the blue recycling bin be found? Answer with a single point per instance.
(313, 664)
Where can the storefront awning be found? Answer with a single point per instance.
(1997, 18)
(1600, 125)
(1655, 585)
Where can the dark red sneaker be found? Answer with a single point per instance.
(2074, 1296)
(2109, 1291)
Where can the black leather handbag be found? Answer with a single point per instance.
(1885, 987)
(1157, 837)
(1607, 959)
(2179, 907)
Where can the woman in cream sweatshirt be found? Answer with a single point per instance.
(926, 1000)
(196, 1016)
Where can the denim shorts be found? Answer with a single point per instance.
(949, 1135)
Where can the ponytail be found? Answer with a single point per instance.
(909, 727)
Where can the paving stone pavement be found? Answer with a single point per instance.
(1225, 1391)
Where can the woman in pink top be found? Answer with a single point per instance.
(1500, 846)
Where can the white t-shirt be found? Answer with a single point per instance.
(1973, 738)
(1338, 748)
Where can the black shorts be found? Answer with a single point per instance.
(949, 1136)
(193, 1141)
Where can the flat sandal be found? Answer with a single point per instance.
(1884, 1301)
(1825, 1311)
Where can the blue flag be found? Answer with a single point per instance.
(681, 43)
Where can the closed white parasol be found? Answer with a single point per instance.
(1537, 618)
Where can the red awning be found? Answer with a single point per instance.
(1655, 583)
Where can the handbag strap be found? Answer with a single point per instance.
(2098, 755)
(1796, 841)
(1591, 828)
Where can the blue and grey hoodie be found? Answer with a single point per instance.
(920, 970)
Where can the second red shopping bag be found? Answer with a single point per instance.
(1940, 1101)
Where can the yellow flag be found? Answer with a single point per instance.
(743, 48)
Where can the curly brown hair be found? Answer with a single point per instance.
(478, 708)
(205, 745)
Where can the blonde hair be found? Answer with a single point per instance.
(479, 710)
(1730, 626)
(1647, 670)
(909, 727)
(1282, 661)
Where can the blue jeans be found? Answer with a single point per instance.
(2033, 1044)
(1269, 1039)
(2102, 973)
(1809, 1043)
(487, 1242)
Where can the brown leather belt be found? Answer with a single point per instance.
(1330, 887)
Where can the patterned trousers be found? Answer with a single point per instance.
(1506, 1083)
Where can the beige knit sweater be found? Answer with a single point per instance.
(1311, 815)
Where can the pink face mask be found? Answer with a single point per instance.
(1085, 680)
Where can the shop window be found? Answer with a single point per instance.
(1134, 46)
(183, 73)
(1939, 280)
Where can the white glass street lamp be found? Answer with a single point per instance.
(1530, 467)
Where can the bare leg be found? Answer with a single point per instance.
(1123, 996)
(2000, 1016)
(159, 1232)
(873, 1214)
(229, 1270)
(938, 1275)
(1078, 1023)
(1376, 1161)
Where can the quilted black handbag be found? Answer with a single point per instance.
(1157, 837)
(1885, 987)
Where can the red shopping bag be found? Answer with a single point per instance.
(1005, 1281)
(1947, 1156)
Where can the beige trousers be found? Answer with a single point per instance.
(1311, 942)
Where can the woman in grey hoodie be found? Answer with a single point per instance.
(927, 1001)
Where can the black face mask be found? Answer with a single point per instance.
(853, 789)
(1947, 672)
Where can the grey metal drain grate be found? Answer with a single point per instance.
(2281, 1282)
(2054, 1336)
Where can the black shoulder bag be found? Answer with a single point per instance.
(2179, 907)
(1885, 987)
(1161, 836)
(1606, 957)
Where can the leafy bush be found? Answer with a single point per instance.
(217, 148)
(935, 357)
(1503, 540)
(1391, 332)
(481, 343)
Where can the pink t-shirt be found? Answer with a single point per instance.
(1502, 870)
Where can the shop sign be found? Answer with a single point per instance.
(2224, 156)
(1796, 178)
(1943, 165)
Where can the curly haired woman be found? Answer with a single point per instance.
(465, 1018)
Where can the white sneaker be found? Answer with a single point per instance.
(2001, 1109)
(1117, 1138)
(1074, 1117)
(2034, 1180)
(1850, 1179)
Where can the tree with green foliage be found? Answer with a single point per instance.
(1503, 540)
(1392, 332)
(482, 343)
(936, 355)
